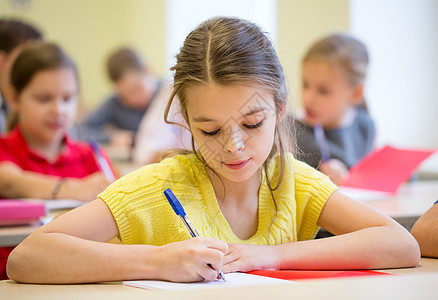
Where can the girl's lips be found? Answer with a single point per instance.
(310, 114)
(55, 126)
(237, 165)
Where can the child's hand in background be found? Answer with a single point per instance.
(335, 169)
(84, 189)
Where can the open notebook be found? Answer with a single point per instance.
(232, 280)
(259, 277)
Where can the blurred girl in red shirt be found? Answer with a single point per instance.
(37, 158)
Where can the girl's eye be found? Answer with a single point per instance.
(43, 99)
(323, 91)
(210, 133)
(67, 98)
(253, 126)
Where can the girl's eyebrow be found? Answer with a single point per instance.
(251, 112)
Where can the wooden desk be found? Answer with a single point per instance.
(11, 236)
(412, 283)
(413, 200)
(429, 168)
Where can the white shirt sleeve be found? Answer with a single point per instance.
(154, 135)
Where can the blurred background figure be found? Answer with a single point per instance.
(116, 121)
(14, 35)
(37, 157)
(335, 131)
(157, 139)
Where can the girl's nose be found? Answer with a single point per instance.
(59, 105)
(234, 141)
(56, 106)
(307, 96)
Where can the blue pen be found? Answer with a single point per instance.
(321, 141)
(101, 160)
(179, 210)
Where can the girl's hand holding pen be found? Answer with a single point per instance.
(196, 259)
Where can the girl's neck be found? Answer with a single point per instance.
(235, 191)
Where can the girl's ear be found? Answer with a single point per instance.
(357, 97)
(281, 112)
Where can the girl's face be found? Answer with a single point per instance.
(134, 89)
(326, 94)
(47, 106)
(233, 127)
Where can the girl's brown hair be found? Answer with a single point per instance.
(232, 51)
(36, 57)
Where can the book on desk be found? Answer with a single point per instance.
(18, 212)
(385, 169)
(26, 211)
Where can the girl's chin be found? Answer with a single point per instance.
(309, 121)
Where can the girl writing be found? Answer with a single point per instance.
(254, 204)
(336, 120)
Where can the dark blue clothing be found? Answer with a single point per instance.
(112, 113)
(348, 144)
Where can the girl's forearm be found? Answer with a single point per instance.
(16, 183)
(371, 248)
(60, 258)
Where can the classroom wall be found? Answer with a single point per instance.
(300, 23)
(402, 86)
(89, 30)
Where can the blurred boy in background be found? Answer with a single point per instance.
(116, 121)
(14, 35)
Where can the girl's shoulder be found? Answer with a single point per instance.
(177, 169)
(363, 116)
(364, 121)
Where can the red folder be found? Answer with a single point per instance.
(385, 169)
(295, 275)
(14, 212)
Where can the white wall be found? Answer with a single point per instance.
(182, 16)
(402, 87)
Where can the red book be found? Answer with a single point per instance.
(295, 275)
(14, 212)
(385, 169)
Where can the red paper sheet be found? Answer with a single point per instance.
(296, 275)
(385, 169)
